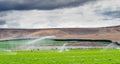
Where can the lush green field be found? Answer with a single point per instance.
(15, 43)
(86, 56)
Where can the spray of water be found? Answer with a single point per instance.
(39, 39)
(8, 52)
(63, 48)
(111, 46)
(5, 50)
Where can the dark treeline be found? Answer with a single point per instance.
(71, 40)
(82, 40)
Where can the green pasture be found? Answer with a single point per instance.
(78, 56)
(15, 43)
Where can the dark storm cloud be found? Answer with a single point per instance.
(39, 4)
(2, 22)
(112, 14)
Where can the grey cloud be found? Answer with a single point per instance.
(39, 4)
(108, 13)
(112, 14)
(13, 25)
(2, 22)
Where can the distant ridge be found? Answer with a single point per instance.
(105, 33)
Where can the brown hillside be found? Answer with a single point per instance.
(109, 33)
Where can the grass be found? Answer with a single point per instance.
(13, 44)
(77, 56)
(16, 43)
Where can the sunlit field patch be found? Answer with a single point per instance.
(76, 56)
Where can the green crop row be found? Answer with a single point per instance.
(88, 56)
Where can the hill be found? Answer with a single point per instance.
(106, 33)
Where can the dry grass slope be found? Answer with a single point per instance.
(109, 33)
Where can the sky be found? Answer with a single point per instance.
(59, 13)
